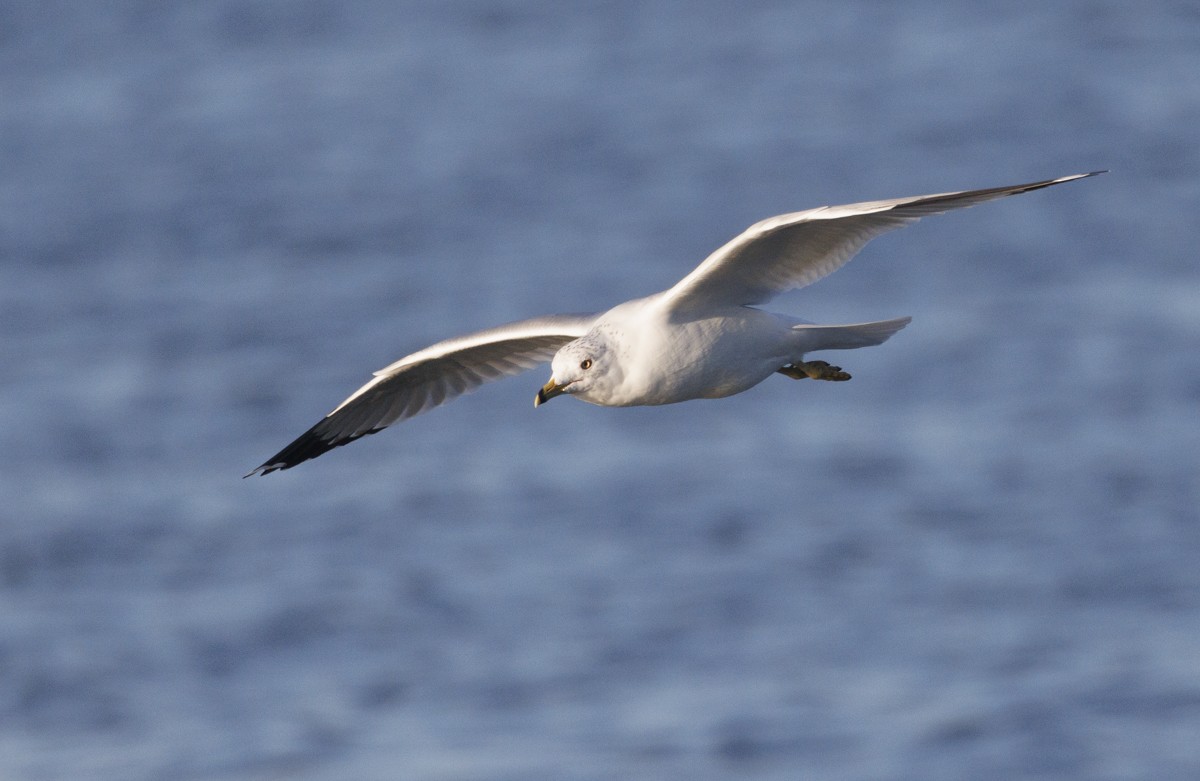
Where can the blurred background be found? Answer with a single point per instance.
(976, 560)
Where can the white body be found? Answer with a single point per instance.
(657, 357)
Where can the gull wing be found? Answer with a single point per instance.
(432, 377)
(794, 250)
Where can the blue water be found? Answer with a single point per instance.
(979, 559)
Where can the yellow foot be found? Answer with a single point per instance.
(817, 370)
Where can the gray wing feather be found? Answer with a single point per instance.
(431, 377)
(794, 250)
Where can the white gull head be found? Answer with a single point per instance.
(587, 368)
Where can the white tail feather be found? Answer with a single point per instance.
(848, 337)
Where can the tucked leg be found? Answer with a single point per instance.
(817, 370)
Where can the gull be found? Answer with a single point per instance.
(704, 338)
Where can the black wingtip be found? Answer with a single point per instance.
(1063, 180)
(266, 469)
(307, 446)
(1085, 176)
(1060, 180)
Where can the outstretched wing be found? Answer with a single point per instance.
(794, 250)
(431, 377)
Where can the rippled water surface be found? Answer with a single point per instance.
(976, 560)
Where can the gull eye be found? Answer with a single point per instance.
(587, 364)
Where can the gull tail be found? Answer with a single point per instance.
(848, 337)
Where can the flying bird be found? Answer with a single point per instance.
(704, 338)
